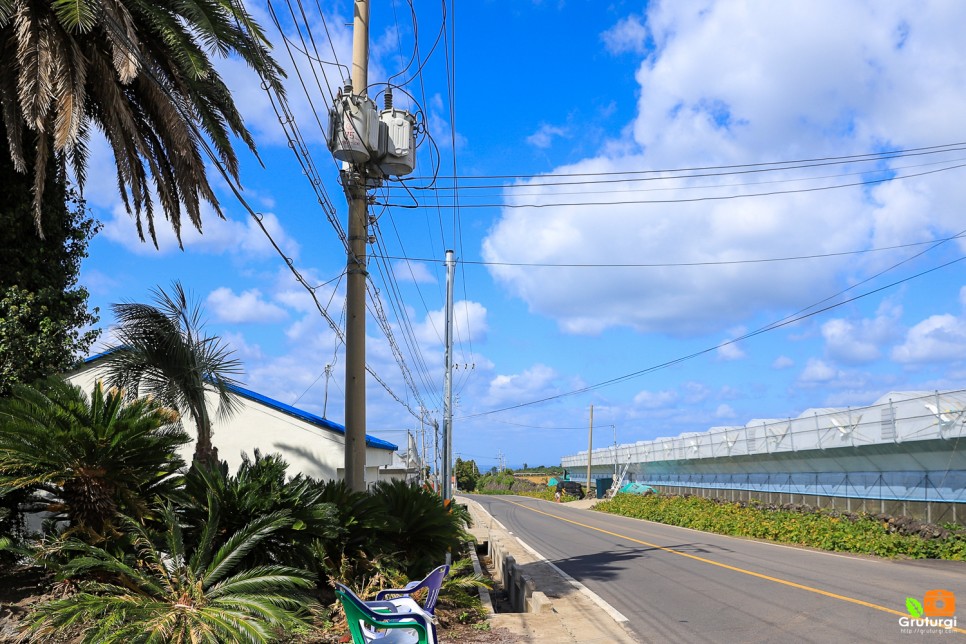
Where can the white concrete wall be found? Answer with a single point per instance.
(309, 449)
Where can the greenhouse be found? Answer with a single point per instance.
(905, 447)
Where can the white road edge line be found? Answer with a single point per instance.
(615, 614)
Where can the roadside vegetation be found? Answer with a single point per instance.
(532, 483)
(827, 529)
(138, 545)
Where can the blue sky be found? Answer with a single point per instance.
(607, 277)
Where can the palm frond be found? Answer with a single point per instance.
(241, 543)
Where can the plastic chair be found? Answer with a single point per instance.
(403, 628)
(432, 582)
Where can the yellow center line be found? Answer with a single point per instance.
(752, 573)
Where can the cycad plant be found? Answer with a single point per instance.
(419, 530)
(362, 522)
(88, 458)
(168, 594)
(260, 488)
(459, 598)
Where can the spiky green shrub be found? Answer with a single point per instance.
(88, 458)
(259, 488)
(168, 593)
(419, 529)
(459, 598)
(361, 521)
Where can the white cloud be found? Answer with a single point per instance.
(543, 137)
(219, 236)
(725, 411)
(411, 271)
(940, 338)
(628, 35)
(469, 324)
(695, 392)
(536, 382)
(731, 352)
(248, 306)
(655, 399)
(818, 371)
(247, 352)
(439, 126)
(809, 80)
(782, 362)
(862, 341)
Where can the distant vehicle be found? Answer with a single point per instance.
(572, 488)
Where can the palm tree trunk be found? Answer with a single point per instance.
(205, 451)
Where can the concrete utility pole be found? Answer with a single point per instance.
(436, 470)
(423, 473)
(355, 344)
(448, 382)
(615, 453)
(590, 446)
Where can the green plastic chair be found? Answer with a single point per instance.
(368, 627)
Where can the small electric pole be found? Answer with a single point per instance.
(423, 468)
(590, 446)
(448, 382)
(615, 454)
(436, 470)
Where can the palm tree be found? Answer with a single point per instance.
(166, 594)
(142, 74)
(163, 351)
(89, 457)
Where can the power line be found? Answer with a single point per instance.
(686, 264)
(625, 202)
(770, 327)
(515, 189)
(768, 166)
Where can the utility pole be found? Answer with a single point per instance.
(439, 483)
(615, 454)
(590, 446)
(423, 473)
(355, 344)
(448, 382)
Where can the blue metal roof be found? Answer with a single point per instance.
(371, 441)
(318, 421)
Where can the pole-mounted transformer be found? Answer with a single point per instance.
(353, 127)
(385, 142)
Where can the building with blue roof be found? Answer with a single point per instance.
(311, 445)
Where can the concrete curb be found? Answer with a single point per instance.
(551, 605)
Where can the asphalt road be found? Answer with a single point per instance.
(680, 585)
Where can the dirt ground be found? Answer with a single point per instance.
(21, 589)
